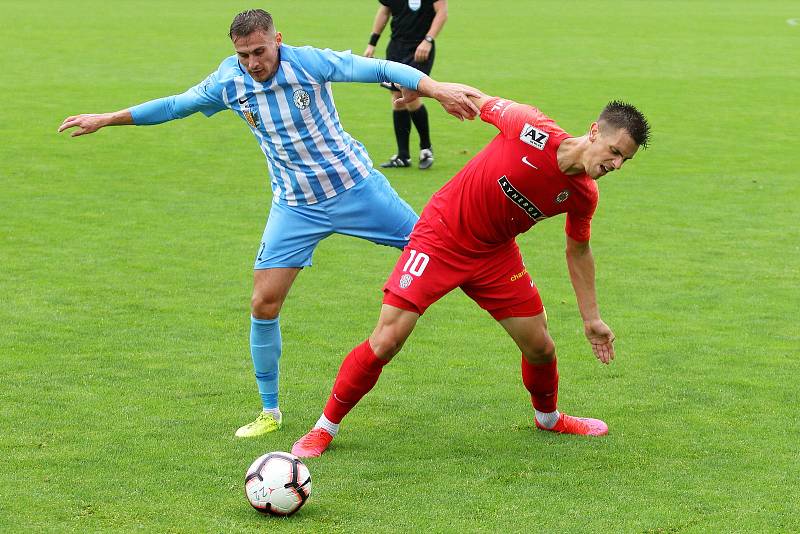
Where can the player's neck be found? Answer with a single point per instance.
(570, 154)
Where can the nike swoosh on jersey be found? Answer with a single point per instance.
(243, 100)
(526, 162)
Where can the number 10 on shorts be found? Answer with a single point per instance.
(417, 261)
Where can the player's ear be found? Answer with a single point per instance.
(278, 38)
(594, 131)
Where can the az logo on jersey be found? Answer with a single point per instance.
(533, 136)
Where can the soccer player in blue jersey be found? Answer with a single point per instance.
(323, 181)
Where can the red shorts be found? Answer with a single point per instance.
(428, 269)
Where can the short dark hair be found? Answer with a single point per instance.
(250, 21)
(619, 114)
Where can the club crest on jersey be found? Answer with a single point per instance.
(562, 196)
(405, 281)
(519, 199)
(533, 136)
(301, 99)
(249, 111)
(251, 116)
(414, 4)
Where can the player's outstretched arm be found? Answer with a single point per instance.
(91, 122)
(581, 272)
(459, 100)
(205, 97)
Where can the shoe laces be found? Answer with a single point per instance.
(265, 417)
(316, 436)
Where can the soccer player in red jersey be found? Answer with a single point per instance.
(532, 170)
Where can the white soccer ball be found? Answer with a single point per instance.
(277, 483)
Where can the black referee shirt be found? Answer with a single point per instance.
(411, 19)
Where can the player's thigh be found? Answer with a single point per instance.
(503, 287)
(291, 235)
(424, 273)
(372, 210)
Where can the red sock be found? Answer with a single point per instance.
(542, 382)
(357, 375)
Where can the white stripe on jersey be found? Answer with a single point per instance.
(299, 141)
(280, 179)
(262, 144)
(335, 125)
(331, 122)
(302, 176)
(319, 139)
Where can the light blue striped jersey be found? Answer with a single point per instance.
(292, 115)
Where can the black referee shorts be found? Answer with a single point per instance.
(403, 52)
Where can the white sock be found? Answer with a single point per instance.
(325, 423)
(547, 420)
(275, 412)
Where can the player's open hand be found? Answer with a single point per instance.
(370, 51)
(85, 124)
(407, 96)
(601, 338)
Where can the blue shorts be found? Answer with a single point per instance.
(371, 210)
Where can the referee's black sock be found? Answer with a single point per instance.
(402, 131)
(420, 118)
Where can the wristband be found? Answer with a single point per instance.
(373, 39)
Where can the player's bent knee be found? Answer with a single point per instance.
(263, 307)
(386, 343)
(541, 352)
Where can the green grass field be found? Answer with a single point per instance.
(125, 277)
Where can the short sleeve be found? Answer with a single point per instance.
(579, 220)
(324, 65)
(510, 117)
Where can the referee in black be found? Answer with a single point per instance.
(415, 25)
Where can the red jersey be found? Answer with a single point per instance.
(512, 184)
